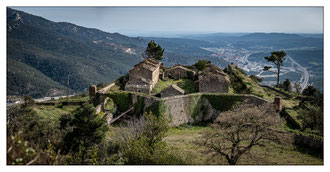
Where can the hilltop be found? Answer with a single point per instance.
(189, 106)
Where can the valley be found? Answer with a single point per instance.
(52, 51)
(241, 58)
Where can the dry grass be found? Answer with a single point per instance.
(183, 140)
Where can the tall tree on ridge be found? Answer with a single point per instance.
(277, 57)
(154, 51)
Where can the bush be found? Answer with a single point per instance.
(21, 152)
(121, 82)
(141, 141)
(87, 130)
(313, 119)
(201, 64)
(223, 103)
(256, 78)
(100, 86)
(286, 85)
(123, 100)
(310, 91)
(28, 101)
(110, 106)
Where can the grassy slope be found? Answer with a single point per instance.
(183, 140)
(240, 78)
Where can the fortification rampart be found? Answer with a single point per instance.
(183, 109)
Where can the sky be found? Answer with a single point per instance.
(187, 20)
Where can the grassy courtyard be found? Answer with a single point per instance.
(186, 84)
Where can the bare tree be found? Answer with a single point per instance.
(297, 87)
(235, 132)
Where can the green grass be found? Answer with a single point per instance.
(242, 83)
(186, 84)
(293, 113)
(71, 99)
(182, 139)
(110, 106)
(53, 113)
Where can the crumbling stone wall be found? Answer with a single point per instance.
(179, 72)
(182, 109)
(172, 90)
(139, 72)
(155, 77)
(193, 108)
(212, 83)
(140, 88)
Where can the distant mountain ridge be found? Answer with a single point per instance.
(59, 51)
(268, 36)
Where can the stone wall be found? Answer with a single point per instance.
(155, 77)
(193, 108)
(211, 83)
(179, 72)
(107, 88)
(172, 90)
(140, 72)
(139, 88)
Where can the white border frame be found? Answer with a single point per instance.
(5, 3)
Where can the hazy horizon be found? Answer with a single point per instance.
(132, 21)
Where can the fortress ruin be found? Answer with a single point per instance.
(143, 76)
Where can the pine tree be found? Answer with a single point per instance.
(277, 57)
(154, 51)
(287, 85)
(87, 129)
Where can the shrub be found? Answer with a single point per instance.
(286, 85)
(100, 86)
(28, 101)
(87, 130)
(157, 108)
(223, 103)
(110, 106)
(201, 64)
(142, 141)
(121, 82)
(139, 105)
(313, 119)
(256, 78)
(123, 100)
(310, 91)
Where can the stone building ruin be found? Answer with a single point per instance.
(179, 72)
(213, 80)
(143, 76)
(172, 90)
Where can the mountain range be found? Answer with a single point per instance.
(44, 57)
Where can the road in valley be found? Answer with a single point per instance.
(305, 75)
(240, 57)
